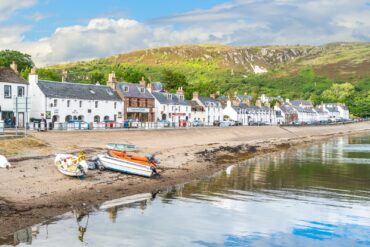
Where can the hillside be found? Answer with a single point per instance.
(290, 71)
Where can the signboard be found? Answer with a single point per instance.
(137, 109)
(119, 114)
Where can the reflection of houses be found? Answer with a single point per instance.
(172, 107)
(138, 101)
(13, 88)
(212, 108)
(65, 101)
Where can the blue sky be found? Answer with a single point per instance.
(55, 31)
(48, 15)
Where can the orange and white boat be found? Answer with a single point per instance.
(121, 161)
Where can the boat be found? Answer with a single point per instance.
(70, 165)
(122, 147)
(132, 164)
(126, 200)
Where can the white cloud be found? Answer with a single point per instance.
(8, 7)
(239, 22)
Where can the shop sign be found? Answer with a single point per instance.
(137, 109)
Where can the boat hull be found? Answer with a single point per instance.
(124, 166)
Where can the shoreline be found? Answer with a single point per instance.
(33, 190)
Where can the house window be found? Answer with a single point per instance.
(181, 97)
(7, 91)
(142, 90)
(115, 105)
(68, 103)
(80, 103)
(96, 104)
(125, 89)
(20, 92)
(55, 103)
(169, 96)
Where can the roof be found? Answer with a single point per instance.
(157, 86)
(206, 101)
(174, 100)
(244, 97)
(300, 102)
(133, 90)
(71, 90)
(8, 75)
(196, 106)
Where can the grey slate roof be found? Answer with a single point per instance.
(175, 100)
(133, 90)
(8, 75)
(244, 97)
(70, 90)
(157, 86)
(208, 100)
(301, 102)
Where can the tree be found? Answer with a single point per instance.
(173, 80)
(96, 76)
(23, 61)
(130, 75)
(49, 74)
(338, 92)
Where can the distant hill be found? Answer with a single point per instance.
(290, 71)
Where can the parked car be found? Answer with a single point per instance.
(216, 123)
(231, 123)
(238, 123)
(197, 123)
(165, 123)
(224, 124)
(182, 123)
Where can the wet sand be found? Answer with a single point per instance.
(33, 190)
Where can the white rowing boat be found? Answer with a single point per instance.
(125, 166)
(70, 165)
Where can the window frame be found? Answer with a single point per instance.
(10, 92)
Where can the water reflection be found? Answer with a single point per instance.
(315, 196)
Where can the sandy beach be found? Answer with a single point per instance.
(32, 190)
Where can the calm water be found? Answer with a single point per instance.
(317, 196)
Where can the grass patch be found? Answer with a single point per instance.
(15, 146)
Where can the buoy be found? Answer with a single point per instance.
(4, 162)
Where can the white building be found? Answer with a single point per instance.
(212, 108)
(65, 102)
(13, 89)
(336, 111)
(172, 107)
(248, 115)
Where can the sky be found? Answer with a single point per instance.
(55, 31)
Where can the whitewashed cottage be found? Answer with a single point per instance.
(14, 101)
(60, 102)
(212, 108)
(171, 106)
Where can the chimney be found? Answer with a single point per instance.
(33, 78)
(229, 103)
(14, 67)
(64, 75)
(235, 93)
(195, 95)
(149, 87)
(213, 96)
(112, 81)
(97, 83)
(143, 82)
(180, 91)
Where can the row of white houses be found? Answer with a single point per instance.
(23, 101)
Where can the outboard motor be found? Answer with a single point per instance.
(153, 159)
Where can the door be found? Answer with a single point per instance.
(20, 120)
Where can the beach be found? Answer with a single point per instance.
(33, 190)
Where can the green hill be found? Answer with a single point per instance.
(290, 71)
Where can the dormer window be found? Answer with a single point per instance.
(142, 90)
(169, 96)
(181, 97)
(125, 88)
